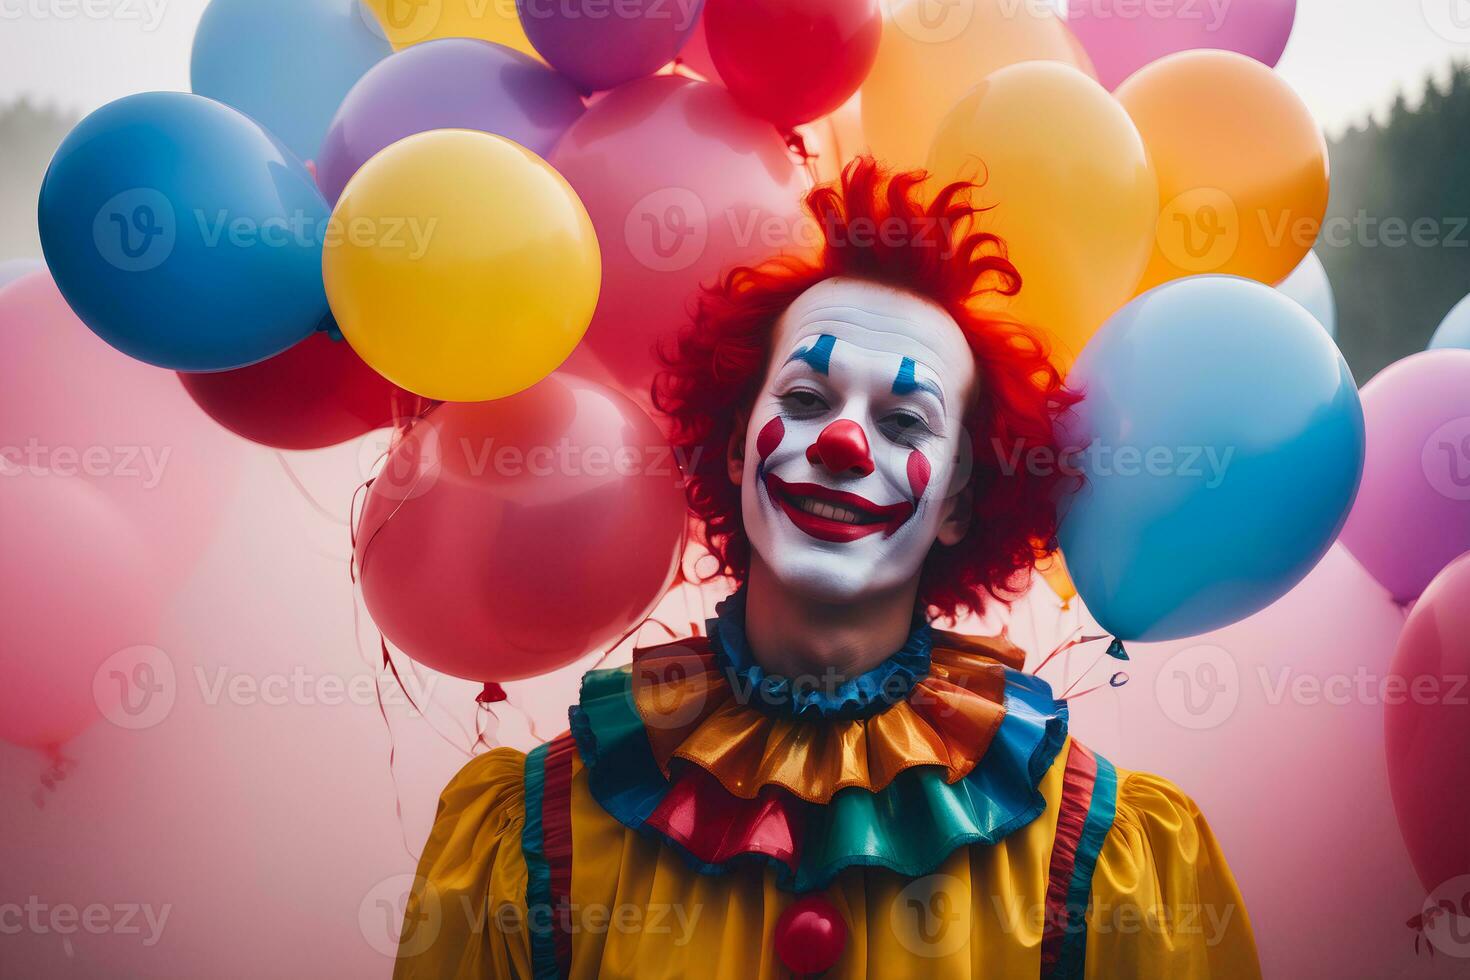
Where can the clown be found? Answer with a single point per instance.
(827, 783)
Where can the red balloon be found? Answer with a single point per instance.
(506, 539)
(810, 936)
(317, 394)
(1427, 726)
(792, 61)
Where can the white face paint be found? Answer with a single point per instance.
(853, 454)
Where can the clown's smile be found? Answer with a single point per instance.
(833, 515)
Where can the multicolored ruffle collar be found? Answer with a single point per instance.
(674, 748)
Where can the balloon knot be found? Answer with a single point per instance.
(798, 146)
(1116, 650)
(492, 694)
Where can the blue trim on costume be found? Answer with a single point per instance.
(1100, 815)
(864, 696)
(539, 908)
(818, 356)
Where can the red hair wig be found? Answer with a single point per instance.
(875, 226)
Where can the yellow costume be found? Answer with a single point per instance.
(936, 803)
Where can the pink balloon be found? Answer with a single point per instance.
(1124, 35)
(1428, 730)
(681, 184)
(70, 405)
(76, 587)
(1412, 516)
(506, 539)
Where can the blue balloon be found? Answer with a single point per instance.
(183, 234)
(1309, 286)
(1224, 447)
(287, 64)
(1455, 330)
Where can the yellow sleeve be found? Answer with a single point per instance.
(1164, 903)
(466, 913)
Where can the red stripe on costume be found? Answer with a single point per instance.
(556, 829)
(715, 826)
(1077, 786)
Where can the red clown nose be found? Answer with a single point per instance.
(842, 448)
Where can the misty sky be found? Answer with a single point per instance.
(1346, 56)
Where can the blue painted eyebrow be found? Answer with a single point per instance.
(907, 383)
(818, 356)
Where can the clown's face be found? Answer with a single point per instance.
(851, 468)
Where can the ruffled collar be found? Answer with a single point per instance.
(863, 696)
(673, 747)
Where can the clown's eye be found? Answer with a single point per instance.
(803, 403)
(904, 428)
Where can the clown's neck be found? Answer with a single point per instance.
(794, 637)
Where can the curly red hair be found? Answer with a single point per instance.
(876, 226)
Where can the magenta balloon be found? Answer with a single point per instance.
(599, 45)
(1412, 515)
(1427, 726)
(506, 539)
(453, 83)
(76, 587)
(681, 184)
(71, 405)
(1122, 36)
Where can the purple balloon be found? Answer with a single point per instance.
(1412, 516)
(1121, 36)
(454, 83)
(601, 45)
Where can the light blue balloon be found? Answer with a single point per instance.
(1455, 330)
(286, 63)
(1309, 286)
(1225, 448)
(183, 234)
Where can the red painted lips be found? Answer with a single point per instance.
(870, 518)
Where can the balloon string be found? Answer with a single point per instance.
(305, 493)
(1075, 641)
(58, 765)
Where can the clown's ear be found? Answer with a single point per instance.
(958, 516)
(735, 450)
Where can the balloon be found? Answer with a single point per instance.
(184, 234)
(1053, 568)
(1124, 35)
(681, 184)
(485, 288)
(1428, 729)
(598, 48)
(317, 394)
(506, 539)
(285, 63)
(1073, 194)
(791, 61)
(1224, 444)
(455, 83)
(834, 140)
(13, 269)
(1309, 286)
(1455, 330)
(1413, 515)
(76, 588)
(412, 23)
(1242, 167)
(932, 54)
(71, 406)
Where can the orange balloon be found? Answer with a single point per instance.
(1071, 190)
(934, 52)
(1053, 568)
(1242, 167)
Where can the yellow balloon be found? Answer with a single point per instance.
(1053, 568)
(461, 266)
(1242, 166)
(409, 22)
(934, 52)
(1071, 190)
